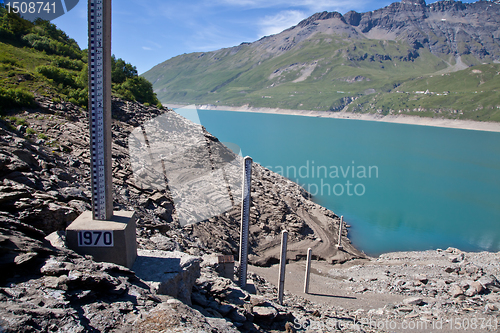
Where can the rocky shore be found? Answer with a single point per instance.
(45, 287)
(397, 119)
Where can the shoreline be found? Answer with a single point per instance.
(397, 119)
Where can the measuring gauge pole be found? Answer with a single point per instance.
(100, 107)
(245, 220)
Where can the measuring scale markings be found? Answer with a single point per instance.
(96, 33)
(245, 220)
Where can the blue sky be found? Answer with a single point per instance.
(146, 33)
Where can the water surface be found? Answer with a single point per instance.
(413, 187)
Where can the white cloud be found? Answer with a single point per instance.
(210, 37)
(270, 25)
(152, 46)
(310, 5)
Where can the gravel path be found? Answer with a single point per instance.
(429, 291)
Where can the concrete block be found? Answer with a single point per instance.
(168, 273)
(108, 241)
(250, 287)
(225, 266)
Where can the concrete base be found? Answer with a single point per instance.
(109, 241)
(250, 287)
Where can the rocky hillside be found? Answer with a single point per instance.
(446, 28)
(44, 174)
(330, 61)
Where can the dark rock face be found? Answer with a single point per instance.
(352, 18)
(320, 16)
(446, 28)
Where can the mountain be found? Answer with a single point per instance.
(359, 62)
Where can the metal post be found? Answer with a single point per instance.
(339, 246)
(99, 20)
(308, 271)
(281, 285)
(245, 220)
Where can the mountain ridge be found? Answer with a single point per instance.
(391, 45)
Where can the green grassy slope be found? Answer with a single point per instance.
(37, 58)
(473, 93)
(236, 78)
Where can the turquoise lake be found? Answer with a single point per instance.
(413, 187)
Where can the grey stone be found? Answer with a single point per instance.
(13, 196)
(224, 309)
(257, 300)
(214, 313)
(199, 299)
(62, 175)
(163, 243)
(405, 309)
(73, 193)
(490, 308)
(79, 206)
(213, 304)
(422, 278)
(200, 309)
(163, 214)
(490, 282)
(177, 317)
(237, 315)
(474, 289)
(451, 269)
(226, 289)
(57, 239)
(222, 325)
(413, 301)
(264, 314)
(169, 273)
(25, 178)
(455, 290)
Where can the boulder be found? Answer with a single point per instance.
(455, 290)
(264, 314)
(258, 300)
(237, 316)
(490, 282)
(177, 317)
(199, 299)
(490, 308)
(73, 193)
(226, 289)
(168, 273)
(474, 289)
